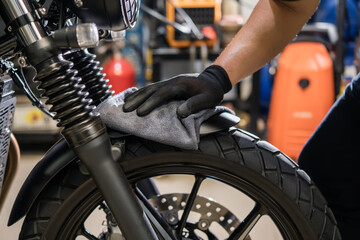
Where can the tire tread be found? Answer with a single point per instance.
(235, 145)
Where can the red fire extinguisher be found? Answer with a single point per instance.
(120, 72)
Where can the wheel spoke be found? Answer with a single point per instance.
(161, 226)
(86, 234)
(189, 203)
(242, 231)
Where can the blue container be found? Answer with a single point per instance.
(266, 85)
(326, 12)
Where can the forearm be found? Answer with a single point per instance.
(271, 26)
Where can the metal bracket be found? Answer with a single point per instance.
(20, 80)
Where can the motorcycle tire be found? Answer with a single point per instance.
(234, 159)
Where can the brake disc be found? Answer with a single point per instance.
(171, 206)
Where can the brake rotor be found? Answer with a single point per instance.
(171, 206)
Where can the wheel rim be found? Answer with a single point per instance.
(75, 227)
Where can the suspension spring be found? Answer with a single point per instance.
(91, 75)
(64, 92)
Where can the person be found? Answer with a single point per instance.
(329, 157)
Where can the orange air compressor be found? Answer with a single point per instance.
(204, 13)
(303, 93)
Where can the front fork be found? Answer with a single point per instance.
(84, 131)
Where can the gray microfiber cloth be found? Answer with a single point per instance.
(161, 125)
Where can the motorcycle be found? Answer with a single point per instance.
(98, 176)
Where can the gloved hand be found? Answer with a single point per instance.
(201, 91)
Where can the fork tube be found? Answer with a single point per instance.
(12, 10)
(114, 186)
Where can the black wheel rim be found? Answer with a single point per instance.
(265, 205)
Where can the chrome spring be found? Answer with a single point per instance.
(91, 75)
(61, 87)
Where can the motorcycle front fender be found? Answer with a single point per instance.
(57, 158)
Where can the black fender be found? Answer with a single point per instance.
(60, 155)
(54, 160)
(218, 122)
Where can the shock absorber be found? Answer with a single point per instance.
(91, 75)
(64, 92)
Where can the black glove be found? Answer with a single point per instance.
(201, 91)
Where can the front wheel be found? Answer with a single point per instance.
(234, 187)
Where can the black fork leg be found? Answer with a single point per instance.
(112, 182)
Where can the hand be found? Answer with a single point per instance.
(202, 91)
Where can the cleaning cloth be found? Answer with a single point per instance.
(161, 125)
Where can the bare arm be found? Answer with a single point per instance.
(272, 25)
